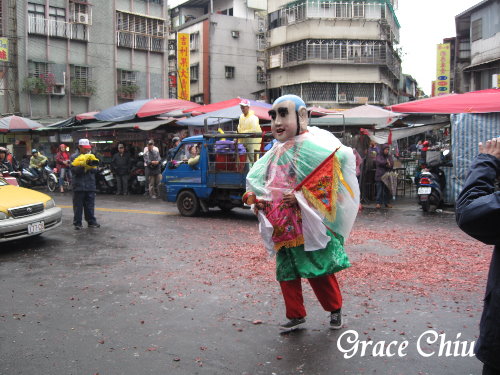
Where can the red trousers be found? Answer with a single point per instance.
(326, 289)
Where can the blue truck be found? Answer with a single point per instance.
(216, 179)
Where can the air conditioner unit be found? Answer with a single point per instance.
(342, 97)
(58, 90)
(235, 34)
(82, 18)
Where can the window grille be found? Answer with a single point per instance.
(229, 71)
(317, 92)
(140, 32)
(127, 78)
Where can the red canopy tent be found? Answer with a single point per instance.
(483, 101)
(254, 105)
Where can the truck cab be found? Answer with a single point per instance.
(217, 179)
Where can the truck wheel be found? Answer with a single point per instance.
(188, 204)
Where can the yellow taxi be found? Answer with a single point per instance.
(25, 212)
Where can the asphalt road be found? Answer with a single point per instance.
(152, 292)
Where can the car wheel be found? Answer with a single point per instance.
(188, 204)
(52, 183)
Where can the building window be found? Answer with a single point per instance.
(127, 84)
(81, 81)
(197, 98)
(227, 12)
(36, 17)
(358, 10)
(477, 29)
(194, 72)
(80, 13)
(229, 71)
(140, 32)
(57, 17)
(194, 40)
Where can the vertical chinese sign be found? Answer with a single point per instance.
(4, 49)
(443, 70)
(183, 79)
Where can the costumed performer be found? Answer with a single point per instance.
(305, 193)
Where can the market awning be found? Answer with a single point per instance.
(142, 108)
(481, 63)
(364, 115)
(225, 104)
(142, 125)
(382, 136)
(223, 116)
(483, 101)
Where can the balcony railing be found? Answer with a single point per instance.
(140, 41)
(335, 10)
(57, 29)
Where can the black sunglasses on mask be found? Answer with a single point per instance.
(282, 111)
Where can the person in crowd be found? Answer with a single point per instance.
(194, 156)
(84, 188)
(4, 162)
(423, 152)
(120, 165)
(384, 163)
(419, 146)
(152, 161)
(63, 165)
(478, 215)
(307, 244)
(249, 123)
(37, 162)
(146, 171)
(171, 151)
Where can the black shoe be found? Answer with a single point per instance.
(78, 227)
(336, 319)
(94, 225)
(292, 324)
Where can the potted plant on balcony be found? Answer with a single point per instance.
(82, 87)
(40, 84)
(127, 91)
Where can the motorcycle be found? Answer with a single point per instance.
(105, 180)
(47, 177)
(137, 181)
(431, 185)
(67, 184)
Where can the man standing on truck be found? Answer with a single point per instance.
(249, 123)
(306, 197)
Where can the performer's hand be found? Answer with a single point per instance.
(290, 199)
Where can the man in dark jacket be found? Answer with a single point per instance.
(120, 165)
(84, 189)
(478, 214)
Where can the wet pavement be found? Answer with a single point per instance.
(152, 292)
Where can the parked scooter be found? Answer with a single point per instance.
(46, 177)
(431, 185)
(137, 180)
(105, 180)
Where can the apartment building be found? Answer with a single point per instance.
(334, 53)
(477, 45)
(227, 55)
(72, 56)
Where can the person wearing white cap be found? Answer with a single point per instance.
(249, 123)
(84, 189)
